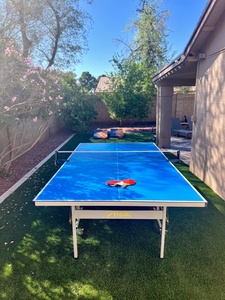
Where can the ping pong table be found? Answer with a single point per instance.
(81, 183)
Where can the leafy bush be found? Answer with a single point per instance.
(78, 110)
(129, 96)
(28, 93)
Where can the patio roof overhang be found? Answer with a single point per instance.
(182, 71)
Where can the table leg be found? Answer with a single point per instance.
(159, 221)
(74, 230)
(163, 232)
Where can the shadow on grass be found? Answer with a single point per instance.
(118, 259)
(208, 194)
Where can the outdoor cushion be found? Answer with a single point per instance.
(100, 134)
(116, 133)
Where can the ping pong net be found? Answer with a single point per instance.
(123, 151)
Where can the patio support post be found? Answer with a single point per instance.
(164, 115)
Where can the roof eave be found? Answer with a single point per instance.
(185, 56)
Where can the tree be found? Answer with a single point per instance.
(132, 87)
(77, 109)
(88, 82)
(149, 44)
(128, 97)
(53, 32)
(27, 94)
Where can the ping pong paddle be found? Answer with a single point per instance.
(127, 182)
(123, 183)
(113, 182)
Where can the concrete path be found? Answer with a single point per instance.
(184, 145)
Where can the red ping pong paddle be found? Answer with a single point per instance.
(127, 182)
(112, 182)
(123, 183)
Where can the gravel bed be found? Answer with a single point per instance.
(30, 159)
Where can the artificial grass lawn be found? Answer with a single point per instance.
(118, 259)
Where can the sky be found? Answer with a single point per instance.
(109, 21)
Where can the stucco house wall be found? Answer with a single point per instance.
(201, 64)
(208, 144)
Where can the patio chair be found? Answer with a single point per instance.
(178, 130)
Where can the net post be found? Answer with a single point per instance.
(178, 155)
(56, 157)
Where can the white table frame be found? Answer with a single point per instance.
(159, 214)
(155, 210)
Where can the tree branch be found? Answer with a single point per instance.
(57, 36)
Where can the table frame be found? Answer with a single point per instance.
(159, 214)
(155, 210)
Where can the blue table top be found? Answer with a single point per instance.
(83, 177)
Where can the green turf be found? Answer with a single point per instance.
(117, 259)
